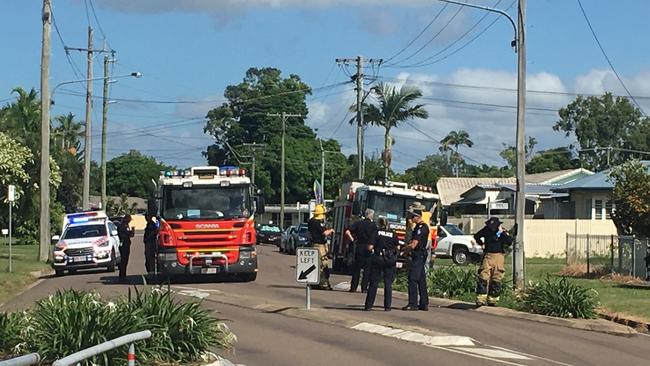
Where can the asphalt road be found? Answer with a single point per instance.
(278, 338)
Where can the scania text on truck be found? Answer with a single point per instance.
(207, 223)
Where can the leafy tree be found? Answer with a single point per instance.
(393, 107)
(601, 122)
(131, 174)
(632, 198)
(14, 157)
(243, 119)
(486, 171)
(22, 119)
(69, 132)
(428, 170)
(509, 153)
(558, 158)
(121, 207)
(456, 139)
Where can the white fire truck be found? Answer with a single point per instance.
(389, 200)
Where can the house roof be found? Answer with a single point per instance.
(450, 188)
(558, 176)
(597, 181)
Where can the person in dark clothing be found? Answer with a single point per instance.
(363, 233)
(318, 238)
(417, 248)
(383, 256)
(150, 243)
(494, 239)
(125, 233)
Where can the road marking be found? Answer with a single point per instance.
(195, 293)
(343, 286)
(409, 336)
(496, 353)
(196, 289)
(533, 356)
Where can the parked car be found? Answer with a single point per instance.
(269, 234)
(455, 244)
(299, 237)
(89, 240)
(284, 239)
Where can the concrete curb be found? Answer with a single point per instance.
(594, 325)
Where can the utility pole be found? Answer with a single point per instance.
(44, 242)
(519, 249)
(254, 146)
(284, 117)
(105, 126)
(359, 60)
(322, 167)
(88, 140)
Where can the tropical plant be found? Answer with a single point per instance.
(561, 298)
(632, 198)
(451, 281)
(14, 332)
(69, 132)
(456, 139)
(393, 107)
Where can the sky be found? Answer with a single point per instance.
(189, 51)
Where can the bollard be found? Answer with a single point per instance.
(131, 355)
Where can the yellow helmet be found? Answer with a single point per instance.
(319, 212)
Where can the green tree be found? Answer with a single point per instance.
(457, 139)
(393, 107)
(601, 122)
(120, 207)
(632, 198)
(131, 174)
(509, 153)
(428, 170)
(22, 119)
(558, 158)
(243, 119)
(69, 132)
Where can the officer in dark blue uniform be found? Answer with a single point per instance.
(383, 256)
(362, 233)
(416, 247)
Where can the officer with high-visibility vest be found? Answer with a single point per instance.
(318, 236)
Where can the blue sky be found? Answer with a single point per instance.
(190, 50)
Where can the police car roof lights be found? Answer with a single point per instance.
(85, 217)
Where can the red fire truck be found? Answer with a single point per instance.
(207, 222)
(390, 200)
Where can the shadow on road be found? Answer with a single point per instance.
(143, 279)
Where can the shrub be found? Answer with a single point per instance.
(560, 298)
(181, 331)
(14, 331)
(451, 282)
(69, 321)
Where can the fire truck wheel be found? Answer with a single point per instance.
(248, 277)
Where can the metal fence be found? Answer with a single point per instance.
(625, 255)
(26, 360)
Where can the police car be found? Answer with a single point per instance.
(89, 240)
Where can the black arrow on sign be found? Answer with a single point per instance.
(303, 274)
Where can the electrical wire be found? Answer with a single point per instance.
(611, 66)
(99, 25)
(75, 69)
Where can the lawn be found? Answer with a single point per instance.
(24, 262)
(612, 295)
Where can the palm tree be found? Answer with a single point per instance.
(69, 130)
(24, 117)
(456, 139)
(393, 107)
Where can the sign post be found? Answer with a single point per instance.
(308, 270)
(11, 197)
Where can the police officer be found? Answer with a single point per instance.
(494, 239)
(416, 248)
(318, 235)
(363, 233)
(125, 233)
(150, 242)
(383, 256)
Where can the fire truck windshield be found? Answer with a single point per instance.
(206, 202)
(393, 207)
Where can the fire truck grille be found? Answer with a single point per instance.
(205, 240)
(203, 233)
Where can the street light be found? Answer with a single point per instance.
(45, 165)
(519, 44)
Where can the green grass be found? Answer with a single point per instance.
(611, 294)
(24, 261)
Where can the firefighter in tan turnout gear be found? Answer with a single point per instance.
(494, 239)
(318, 235)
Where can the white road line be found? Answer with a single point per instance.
(478, 356)
(533, 356)
(409, 336)
(196, 289)
(496, 353)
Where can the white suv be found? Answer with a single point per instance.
(455, 244)
(89, 240)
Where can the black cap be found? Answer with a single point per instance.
(493, 221)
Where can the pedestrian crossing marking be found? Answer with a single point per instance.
(415, 337)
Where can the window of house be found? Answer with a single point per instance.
(598, 209)
(588, 213)
(609, 206)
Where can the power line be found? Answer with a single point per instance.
(75, 69)
(99, 25)
(460, 9)
(419, 34)
(602, 50)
